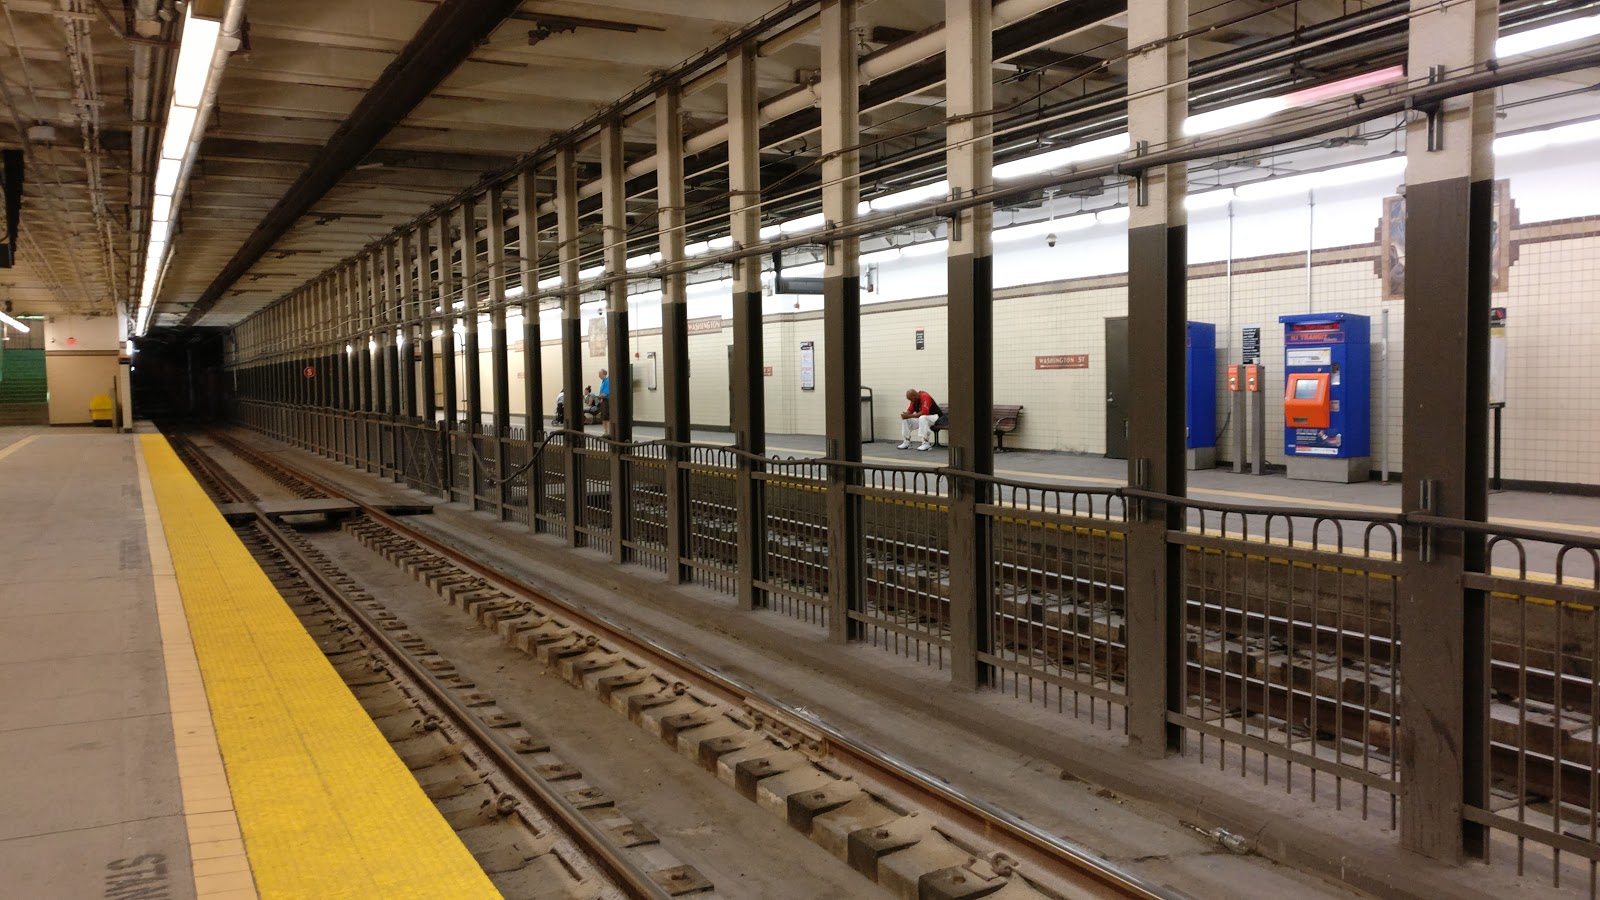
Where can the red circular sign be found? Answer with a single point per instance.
(310, 372)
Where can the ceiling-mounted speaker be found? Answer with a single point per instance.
(11, 180)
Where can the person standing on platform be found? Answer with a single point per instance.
(603, 400)
(919, 418)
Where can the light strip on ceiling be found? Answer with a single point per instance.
(13, 323)
(1266, 107)
(191, 79)
(1545, 37)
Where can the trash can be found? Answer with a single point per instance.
(100, 410)
(869, 430)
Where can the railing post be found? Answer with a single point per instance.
(471, 358)
(571, 337)
(1449, 201)
(1157, 316)
(532, 342)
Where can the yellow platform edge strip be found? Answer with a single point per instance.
(327, 808)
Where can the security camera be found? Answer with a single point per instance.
(1050, 239)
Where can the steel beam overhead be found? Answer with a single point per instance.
(452, 31)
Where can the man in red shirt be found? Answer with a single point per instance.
(919, 418)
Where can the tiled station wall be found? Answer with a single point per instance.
(1054, 301)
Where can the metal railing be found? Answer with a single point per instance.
(1287, 636)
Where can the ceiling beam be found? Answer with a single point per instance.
(446, 38)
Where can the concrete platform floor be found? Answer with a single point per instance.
(88, 761)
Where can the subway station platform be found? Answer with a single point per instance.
(169, 729)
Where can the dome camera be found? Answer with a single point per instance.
(1050, 239)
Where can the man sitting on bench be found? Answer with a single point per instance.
(919, 418)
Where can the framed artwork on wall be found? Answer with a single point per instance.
(1392, 243)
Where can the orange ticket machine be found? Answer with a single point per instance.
(1327, 386)
(1305, 400)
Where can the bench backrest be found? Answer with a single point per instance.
(1006, 415)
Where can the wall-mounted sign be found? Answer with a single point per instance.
(808, 365)
(309, 372)
(921, 339)
(706, 325)
(1250, 345)
(1062, 361)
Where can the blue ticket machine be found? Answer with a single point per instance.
(1200, 362)
(1327, 397)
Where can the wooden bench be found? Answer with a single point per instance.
(1003, 419)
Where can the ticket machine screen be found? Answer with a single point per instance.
(1305, 389)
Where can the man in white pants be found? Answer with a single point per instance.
(919, 418)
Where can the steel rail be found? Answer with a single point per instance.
(633, 881)
(1025, 842)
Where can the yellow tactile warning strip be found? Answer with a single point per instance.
(216, 846)
(326, 808)
(18, 445)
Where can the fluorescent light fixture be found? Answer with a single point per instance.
(550, 283)
(400, 339)
(643, 262)
(1064, 157)
(879, 257)
(1233, 116)
(1265, 107)
(13, 323)
(167, 172)
(1545, 37)
(937, 190)
(349, 349)
(1208, 200)
(1111, 216)
(1387, 167)
(160, 210)
(180, 129)
(725, 242)
(1527, 142)
(591, 272)
(803, 224)
(770, 231)
(438, 332)
(514, 292)
(194, 59)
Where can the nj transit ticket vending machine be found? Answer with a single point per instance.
(1327, 419)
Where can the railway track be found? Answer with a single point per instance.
(898, 826)
(538, 828)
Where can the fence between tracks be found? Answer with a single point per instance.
(1280, 657)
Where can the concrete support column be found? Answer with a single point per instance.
(394, 314)
(428, 300)
(344, 295)
(532, 353)
(749, 384)
(363, 332)
(841, 312)
(528, 278)
(373, 345)
(571, 336)
(447, 354)
(1449, 217)
(499, 363)
(470, 356)
(619, 357)
(1157, 313)
(675, 320)
(969, 91)
(411, 304)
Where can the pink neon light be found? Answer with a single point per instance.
(1344, 87)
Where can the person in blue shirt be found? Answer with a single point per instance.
(604, 398)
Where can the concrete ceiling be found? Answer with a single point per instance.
(305, 65)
